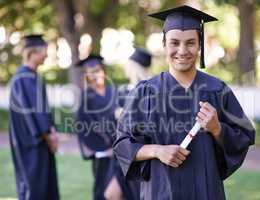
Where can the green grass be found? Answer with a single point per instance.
(76, 180)
(3, 120)
(74, 175)
(243, 185)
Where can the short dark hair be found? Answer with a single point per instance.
(28, 51)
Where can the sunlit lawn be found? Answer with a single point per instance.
(76, 180)
(74, 175)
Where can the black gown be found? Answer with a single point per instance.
(29, 118)
(161, 111)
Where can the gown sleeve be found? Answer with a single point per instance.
(83, 119)
(132, 134)
(30, 99)
(237, 134)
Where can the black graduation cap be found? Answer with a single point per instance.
(142, 57)
(185, 18)
(33, 41)
(91, 61)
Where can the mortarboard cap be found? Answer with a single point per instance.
(91, 61)
(142, 57)
(33, 41)
(185, 18)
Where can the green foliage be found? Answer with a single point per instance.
(116, 75)
(41, 16)
(225, 71)
(55, 75)
(227, 20)
(127, 21)
(8, 66)
(257, 127)
(233, 2)
(97, 6)
(27, 15)
(257, 27)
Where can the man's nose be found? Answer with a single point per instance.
(182, 49)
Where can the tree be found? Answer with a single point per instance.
(70, 19)
(246, 52)
(94, 21)
(26, 17)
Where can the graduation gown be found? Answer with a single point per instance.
(98, 127)
(161, 111)
(130, 188)
(29, 118)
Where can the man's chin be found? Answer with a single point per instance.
(183, 68)
(40, 63)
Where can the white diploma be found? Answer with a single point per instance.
(193, 132)
(101, 154)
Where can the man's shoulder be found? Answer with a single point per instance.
(210, 82)
(149, 86)
(156, 81)
(23, 73)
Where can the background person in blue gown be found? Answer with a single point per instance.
(136, 69)
(96, 115)
(33, 136)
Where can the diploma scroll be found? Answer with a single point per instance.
(101, 154)
(193, 132)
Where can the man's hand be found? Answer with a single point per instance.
(52, 140)
(208, 119)
(172, 155)
(109, 152)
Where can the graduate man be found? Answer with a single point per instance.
(162, 110)
(33, 136)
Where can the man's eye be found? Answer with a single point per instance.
(191, 43)
(174, 43)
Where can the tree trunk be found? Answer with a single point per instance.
(246, 52)
(95, 24)
(181, 2)
(66, 13)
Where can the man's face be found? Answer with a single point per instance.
(182, 48)
(40, 55)
(95, 75)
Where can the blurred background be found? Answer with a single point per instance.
(112, 28)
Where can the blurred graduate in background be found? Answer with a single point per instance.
(33, 136)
